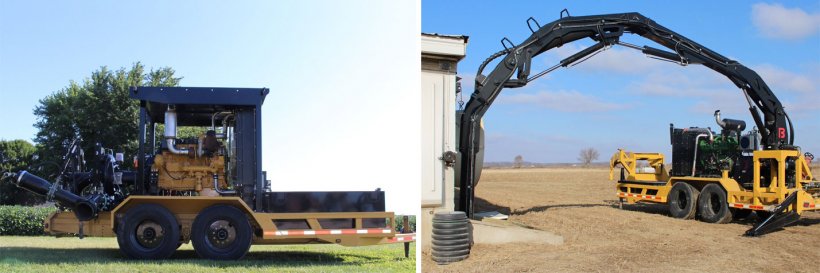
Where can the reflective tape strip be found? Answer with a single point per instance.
(652, 197)
(409, 238)
(747, 206)
(309, 232)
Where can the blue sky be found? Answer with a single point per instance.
(329, 64)
(622, 99)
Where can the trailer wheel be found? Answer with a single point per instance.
(682, 200)
(148, 231)
(712, 205)
(221, 232)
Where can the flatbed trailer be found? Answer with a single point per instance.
(265, 230)
(358, 229)
(721, 199)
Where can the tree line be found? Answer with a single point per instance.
(98, 110)
(585, 157)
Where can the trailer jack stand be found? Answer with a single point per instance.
(777, 220)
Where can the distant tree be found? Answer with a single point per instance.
(399, 223)
(518, 162)
(98, 110)
(16, 155)
(587, 156)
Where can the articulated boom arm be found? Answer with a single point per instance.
(514, 71)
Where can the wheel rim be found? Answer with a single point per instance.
(682, 200)
(714, 203)
(149, 234)
(221, 234)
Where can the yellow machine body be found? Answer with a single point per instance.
(190, 172)
(637, 186)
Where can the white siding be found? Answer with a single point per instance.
(438, 123)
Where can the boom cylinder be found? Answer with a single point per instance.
(83, 209)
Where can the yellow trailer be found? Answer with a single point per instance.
(264, 229)
(721, 199)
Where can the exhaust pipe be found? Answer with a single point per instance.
(83, 209)
(171, 132)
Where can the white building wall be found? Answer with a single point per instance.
(440, 55)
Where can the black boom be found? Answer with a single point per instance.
(514, 71)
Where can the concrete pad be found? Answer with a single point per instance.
(503, 232)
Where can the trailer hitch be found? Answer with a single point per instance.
(777, 220)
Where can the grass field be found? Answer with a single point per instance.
(49, 254)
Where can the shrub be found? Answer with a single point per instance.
(21, 220)
(399, 223)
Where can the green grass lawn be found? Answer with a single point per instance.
(49, 254)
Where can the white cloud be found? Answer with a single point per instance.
(533, 147)
(708, 89)
(798, 91)
(690, 81)
(778, 78)
(467, 84)
(563, 101)
(776, 21)
(803, 106)
(613, 60)
(732, 105)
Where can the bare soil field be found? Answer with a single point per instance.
(580, 205)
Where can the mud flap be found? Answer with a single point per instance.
(777, 220)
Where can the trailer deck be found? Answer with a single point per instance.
(343, 228)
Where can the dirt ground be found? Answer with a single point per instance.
(580, 205)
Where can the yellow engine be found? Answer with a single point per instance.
(190, 172)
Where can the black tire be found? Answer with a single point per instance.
(451, 248)
(451, 231)
(447, 260)
(461, 241)
(712, 205)
(459, 236)
(148, 231)
(450, 216)
(739, 214)
(221, 232)
(682, 201)
(454, 253)
(450, 225)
